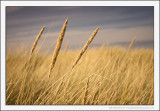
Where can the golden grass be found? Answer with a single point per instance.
(106, 76)
(85, 47)
(86, 92)
(115, 79)
(131, 44)
(36, 41)
(58, 46)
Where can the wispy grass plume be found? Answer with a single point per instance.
(85, 47)
(36, 41)
(58, 46)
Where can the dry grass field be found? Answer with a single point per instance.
(102, 76)
(94, 76)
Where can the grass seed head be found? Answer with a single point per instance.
(131, 44)
(85, 47)
(58, 45)
(36, 41)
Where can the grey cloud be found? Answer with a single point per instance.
(11, 9)
(117, 24)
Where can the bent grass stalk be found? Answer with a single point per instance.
(131, 44)
(85, 47)
(31, 52)
(36, 41)
(86, 92)
(34, 46)
(58, 46)
(79, 57)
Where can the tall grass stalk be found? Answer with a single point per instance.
(36, 41)
(85, 47)
(131, 44)
(58, 46)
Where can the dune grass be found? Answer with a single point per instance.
(97, 76)
(104, 75)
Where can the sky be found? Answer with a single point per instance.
(118, 25)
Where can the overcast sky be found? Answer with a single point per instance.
(118, 25)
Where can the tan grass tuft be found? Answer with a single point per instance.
(85, 47)
(36, 41)
(58, 46)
